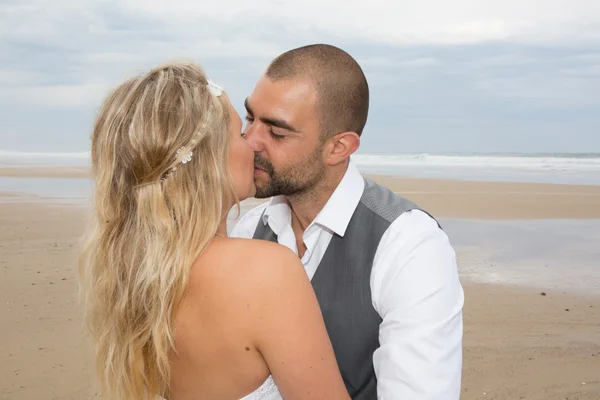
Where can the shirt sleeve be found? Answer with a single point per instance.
(417, 292)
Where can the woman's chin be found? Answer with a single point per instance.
(250, 194)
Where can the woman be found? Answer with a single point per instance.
(175, 307)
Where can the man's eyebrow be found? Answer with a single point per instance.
(276, 122)
(279, 123)
(247, 106)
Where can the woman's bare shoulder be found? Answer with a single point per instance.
(255, 245)
(243, 253)
(247, 267)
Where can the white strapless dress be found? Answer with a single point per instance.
(266, 391)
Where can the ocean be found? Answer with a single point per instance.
(559, 168)
(564, 168)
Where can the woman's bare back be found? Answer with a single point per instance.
(250, 309)
(216, 357)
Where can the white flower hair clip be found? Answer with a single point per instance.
(213, 88)
(187, 158)
(184, 160)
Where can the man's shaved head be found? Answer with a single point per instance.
(341, 86)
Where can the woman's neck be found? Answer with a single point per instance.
(222, 230)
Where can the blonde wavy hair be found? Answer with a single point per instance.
(150, 221)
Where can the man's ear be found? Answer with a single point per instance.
(341, 146)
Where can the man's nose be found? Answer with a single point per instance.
(253, 137)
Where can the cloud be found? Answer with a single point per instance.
(402, 22)
(443, 75)
(394, 63)
(58, 96)
(587, 71)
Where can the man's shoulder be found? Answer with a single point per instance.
(415, 221)
(246, 225)
(390, 205)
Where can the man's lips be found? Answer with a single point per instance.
(259, 171)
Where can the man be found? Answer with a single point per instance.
(384, 272)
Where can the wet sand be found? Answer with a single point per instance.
(45, 172)
(518, 342)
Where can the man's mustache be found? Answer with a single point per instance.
(263, 164)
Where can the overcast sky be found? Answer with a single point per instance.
(445, 76)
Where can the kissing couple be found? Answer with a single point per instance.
(334, 288)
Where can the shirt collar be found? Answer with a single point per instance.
(341, 205)
(277, 214)
(337, 212)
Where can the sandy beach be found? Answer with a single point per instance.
(520, 342)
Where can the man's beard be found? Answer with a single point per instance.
(295, 181)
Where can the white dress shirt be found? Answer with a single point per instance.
(414, 286)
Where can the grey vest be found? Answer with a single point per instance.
(342, 286)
